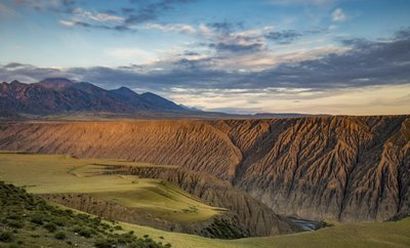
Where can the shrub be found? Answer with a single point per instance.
(50, 227)
(87, 233)
(37, 219)
(6, 236)
(105, 243)
(60, 235)
(15, 224)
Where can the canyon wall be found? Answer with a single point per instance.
(339, 168)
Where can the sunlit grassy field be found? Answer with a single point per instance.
(41, 174)
(388, 234)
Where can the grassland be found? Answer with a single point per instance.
(28, 221)
(372, 235)
(48, 174)
(61, 174)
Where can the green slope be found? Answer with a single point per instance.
(48, 174)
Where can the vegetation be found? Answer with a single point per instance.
(358, 235)
(51, 174)
(37, 218)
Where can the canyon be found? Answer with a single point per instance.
(335, 168)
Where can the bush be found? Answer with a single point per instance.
(105, 243)
(37, 219)
(6, 236)
(60, 235)
(82, 231)
(50, 227)
(15, 224)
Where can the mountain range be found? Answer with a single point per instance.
(60, 96)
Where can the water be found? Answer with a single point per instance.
(307, 225)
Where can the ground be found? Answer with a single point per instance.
(62, 174)
(50, 174)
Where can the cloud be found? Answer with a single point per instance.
(96, 16)
(92, 19)
(6, 11)
(225, 27)
(362, 63)
(338, 15)
(301, 2)
(236, 47)
(64, 6)
(283, 37)
(181, 28)
(149, 12)
(122, 19)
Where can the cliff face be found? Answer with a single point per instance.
(248, 214)
(226, 226)
(344, 168)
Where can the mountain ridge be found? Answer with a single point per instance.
(60, 95)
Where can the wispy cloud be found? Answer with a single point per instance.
(283, 37)
(303, 2)
(170, 27)
(338, 15)
(64, 6)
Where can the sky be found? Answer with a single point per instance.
(237, 56)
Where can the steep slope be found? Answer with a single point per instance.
(248, 213)
(342, 168)
(158, 102)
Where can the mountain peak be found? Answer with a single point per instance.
(124, 91)
(55, 83)
(15, 82)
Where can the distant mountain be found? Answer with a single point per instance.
(60, 96)
(278, 115)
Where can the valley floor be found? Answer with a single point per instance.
(386, 234)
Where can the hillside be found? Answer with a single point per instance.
(336, 168)
(62, 96)
(28, 221)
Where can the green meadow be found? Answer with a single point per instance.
(44, 174)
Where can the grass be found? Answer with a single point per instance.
(372, 235)
(47, 174)
(28, 221)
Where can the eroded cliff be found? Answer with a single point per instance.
(342, 168)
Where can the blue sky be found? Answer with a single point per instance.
(246, 56)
